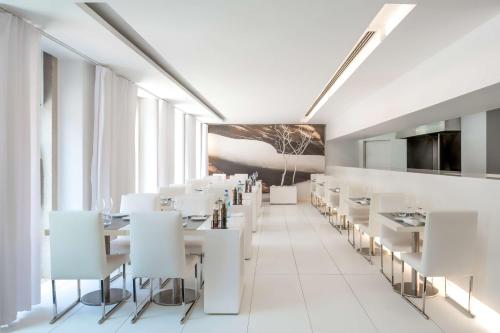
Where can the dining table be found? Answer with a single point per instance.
(413, 223)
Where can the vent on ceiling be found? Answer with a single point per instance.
(357, 49)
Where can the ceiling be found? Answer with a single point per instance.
(258, 61)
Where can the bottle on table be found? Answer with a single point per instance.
(227, 202)
(223, 224)
(235, 196)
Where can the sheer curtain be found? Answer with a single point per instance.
(113, 154)
(20, 217)
(148, 145)
(166, 149)
(190, 146)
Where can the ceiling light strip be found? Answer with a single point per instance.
(357, 49)
(95, 10)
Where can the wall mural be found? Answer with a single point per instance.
(281, 154)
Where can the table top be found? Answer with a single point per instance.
(362, 202)
(393, 221)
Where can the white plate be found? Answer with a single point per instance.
(118, 215)
(198, 217)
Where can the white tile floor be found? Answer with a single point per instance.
(304, 277)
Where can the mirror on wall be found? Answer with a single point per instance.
(464, 146)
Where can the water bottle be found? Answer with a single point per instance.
(228, 203)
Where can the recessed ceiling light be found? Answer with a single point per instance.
(386, 20)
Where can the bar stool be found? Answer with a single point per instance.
(157, 251)
(449, 249)
(77, 252)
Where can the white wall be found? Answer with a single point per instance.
(148, 145)
(75, 128)
(448, 192)
(466, 65)
(473, 144)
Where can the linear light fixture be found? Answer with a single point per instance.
(386, 20)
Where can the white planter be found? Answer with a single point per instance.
(283, 195)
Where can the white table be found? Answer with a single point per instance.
(223, 269)
(250, 198)
(246, 210)
(413, 288)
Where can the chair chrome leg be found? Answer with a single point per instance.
(106, 315)
(138, 312)
(424, 294)
(471, 281)
(466, 311)
(57, 316)
(392, 267)
(422, 311)
(186, 315)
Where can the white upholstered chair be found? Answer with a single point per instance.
(449, 249)
(195, 204)
(351, 215)
(314, 177)
(173, 190)
(77, 252)
(157, 251)
(197, 185)
(222, 176)
(332, 199)
(133, 203)
(139, 203)
(239, 177)
(384, 203)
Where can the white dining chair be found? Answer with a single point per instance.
(157, 251)
(139, 203)
(239, 177)
(332, 199)
(314, 177)
(77, 252)
(449, 249)
(351, 215)
(197, 185)
(195, 204)
(381, 203)
(173, 190)
(133, 203)
(222, 176)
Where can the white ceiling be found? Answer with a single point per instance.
(259, 61)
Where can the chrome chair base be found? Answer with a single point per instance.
(116, 295)
(171, 297)
(410, 291)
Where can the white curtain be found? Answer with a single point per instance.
(166, 149)
(190, 149)
(148, 145)
(113, 154)
(20, 213)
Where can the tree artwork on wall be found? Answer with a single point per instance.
(282, 154)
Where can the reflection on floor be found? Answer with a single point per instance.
(303, 277)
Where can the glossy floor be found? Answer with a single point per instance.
(303, 277)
